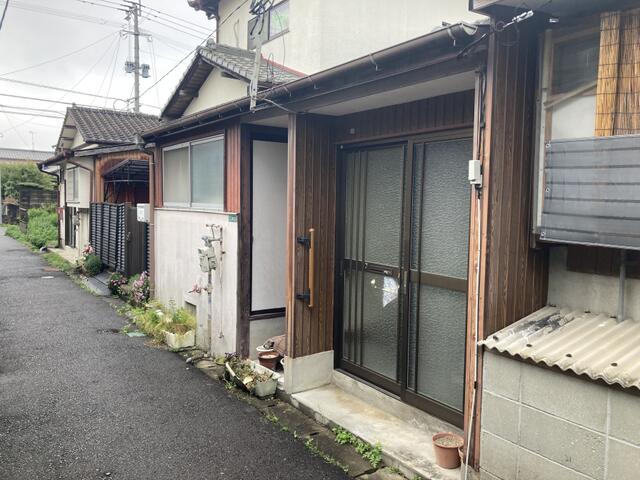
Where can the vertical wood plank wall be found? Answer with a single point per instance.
(311, 204)
(233, 145)
(516, 275)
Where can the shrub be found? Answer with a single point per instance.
(139, 289)
(115, 284)
(92, 265)
(42, 227)
(181, 321)
(14, 231)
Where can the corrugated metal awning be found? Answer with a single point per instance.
(595, 345)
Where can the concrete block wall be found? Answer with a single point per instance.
(539, 424)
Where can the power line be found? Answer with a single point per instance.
(196, 48)
(20, 107)
(173, 27)
(67, 90)
(40, 99)
(60, 57)
(64, 14)
(30, 114)
(175, 18)
(4, 12)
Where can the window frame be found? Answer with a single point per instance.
(190, 204)
(72, 174)
(267, 37)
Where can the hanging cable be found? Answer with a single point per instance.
(60, 57)
(4, 13)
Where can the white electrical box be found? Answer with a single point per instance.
(475, 172)
(143, 212)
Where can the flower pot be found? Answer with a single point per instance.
(178, 341)
(265, 389)
(269, 359)
(446, 445)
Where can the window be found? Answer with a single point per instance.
(71, 184)
(274, 24)
(575, 64)
(193, 174)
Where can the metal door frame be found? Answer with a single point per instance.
(403, 273)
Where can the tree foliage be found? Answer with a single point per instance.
(16, 175)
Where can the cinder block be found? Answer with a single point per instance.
(574, 399)
(570, 445)
(500, 416)
(535, 467)
(625, 416)
(502, 375)
(624, 461)
(498, 457)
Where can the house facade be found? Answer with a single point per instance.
(346, 215)
(97, 160)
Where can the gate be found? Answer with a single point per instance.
(118, 238)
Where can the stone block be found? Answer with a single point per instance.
(500, 416)
(535, 467)
(498, 456)
(623, 462)
(625, 416)
(502, 375)
(570, 445)
(575, 399)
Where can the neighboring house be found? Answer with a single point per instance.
(17, 155)
(97, 160)
(560, 393)
(348, 224)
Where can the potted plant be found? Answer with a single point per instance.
(179, 329)
(245, 375)
(446, 445)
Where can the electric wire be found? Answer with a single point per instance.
(115, 63)
(40, 99)
(175, 18)
(60, 57)
(196, 48)
(109, 68)
(35, 109)
(31, 114)
(4, 13)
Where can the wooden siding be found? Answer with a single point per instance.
(311, 204)
(516, 274)
(233, 144)
(438, 113)
(133, 193)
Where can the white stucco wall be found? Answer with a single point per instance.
(177, 239)
(217, 90)
(325, 33)
(597, 293)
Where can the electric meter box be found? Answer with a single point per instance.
(207, 259)
(143, 212)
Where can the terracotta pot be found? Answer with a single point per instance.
(269, 359)
(445, 445)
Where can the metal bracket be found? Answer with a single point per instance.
(304, 241)
(304, 296)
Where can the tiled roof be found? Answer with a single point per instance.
(240, 62)
(17, 154)
(97, 125)
(595, 345)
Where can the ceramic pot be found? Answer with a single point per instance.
(269, 359)
(446, 445)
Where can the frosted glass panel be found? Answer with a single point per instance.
(207, 173)
(380, 324)
(441, 196)
(383, 207)
(176, 176)
(438, 326)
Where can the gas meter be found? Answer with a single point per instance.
(208, 259)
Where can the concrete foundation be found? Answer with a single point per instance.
(305, 373)
(541, 424)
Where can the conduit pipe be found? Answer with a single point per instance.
(622, 284)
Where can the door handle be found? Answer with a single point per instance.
(309, 242)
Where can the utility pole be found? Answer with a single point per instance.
(136, 57)
(138, 70)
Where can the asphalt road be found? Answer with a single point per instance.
(79, 403)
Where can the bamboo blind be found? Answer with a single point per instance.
(618, 92)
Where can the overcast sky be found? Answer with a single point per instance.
(37, 31)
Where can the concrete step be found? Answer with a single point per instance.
(404, 445)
